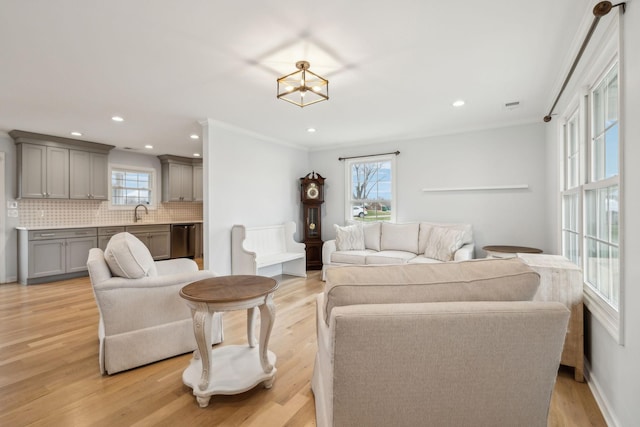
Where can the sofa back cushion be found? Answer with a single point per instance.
(425, 229)
(399, 237)
(475, 280)
(371, 232)
(128, 257)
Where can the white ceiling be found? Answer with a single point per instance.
(394, 67)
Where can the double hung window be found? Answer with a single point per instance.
(591, 196)
(370, 188)
(131, 186)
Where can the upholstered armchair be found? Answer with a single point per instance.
(142, 317)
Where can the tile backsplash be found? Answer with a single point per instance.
(44, 213)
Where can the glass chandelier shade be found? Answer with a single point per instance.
(303, 87)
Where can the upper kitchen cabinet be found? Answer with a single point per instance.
(181, 179)
(43, 172)
(89, 175)
(52, 167)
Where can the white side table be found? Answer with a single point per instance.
(561, 280)
(235, 368)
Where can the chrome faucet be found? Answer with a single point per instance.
(137, 217)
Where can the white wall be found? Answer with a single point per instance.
(504, 156)
(250, 181)
(614, 370)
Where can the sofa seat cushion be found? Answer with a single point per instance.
(390, 257)
(421, 259)
(475, 280)
(128, 257)
(351, 257)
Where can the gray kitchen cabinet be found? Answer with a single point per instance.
(51, 167)
(43, 172)
(77, 252)
(105, 234)
(180, 183)
(198, 183)
(89, 175)
(155, 237)
(178, 179)
(47, 255)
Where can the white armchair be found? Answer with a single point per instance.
(143, 320)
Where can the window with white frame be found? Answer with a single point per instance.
(591, 196)
(601, 193)
(571, 195)
(131, 186)
(370, 188)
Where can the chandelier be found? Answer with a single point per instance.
(303, 87)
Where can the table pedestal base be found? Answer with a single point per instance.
(234, 369)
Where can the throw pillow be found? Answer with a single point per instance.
(349, 238)
(128, 257)
(443, 242)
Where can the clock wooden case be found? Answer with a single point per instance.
(312, 197)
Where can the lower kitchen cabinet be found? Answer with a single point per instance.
(105, 234)
(155, 237)
(46, 255)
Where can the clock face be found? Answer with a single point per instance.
(312, 191)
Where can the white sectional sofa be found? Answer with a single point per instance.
(387, 243)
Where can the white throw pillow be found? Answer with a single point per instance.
(443, 242)
(128, 257)
(349, 238)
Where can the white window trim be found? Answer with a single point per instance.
(595, 69)
(153, 205)
(347, 183)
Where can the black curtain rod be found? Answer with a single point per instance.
(370, 155)
(599, 10)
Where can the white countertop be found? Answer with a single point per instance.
(128, 224)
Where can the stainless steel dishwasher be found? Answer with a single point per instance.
(183, 240)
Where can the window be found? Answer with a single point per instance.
(571, 212)
(131, 186)
(601, 234)
(370, 183)
(591, 197)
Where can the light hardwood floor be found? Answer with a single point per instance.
(49, 372)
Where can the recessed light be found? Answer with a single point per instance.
(76, 133)
(311, 130)
(458, 103)
(196, 154)
(148, 146)
(117, 119)
(194, 136)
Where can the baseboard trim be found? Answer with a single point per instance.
(601, 400)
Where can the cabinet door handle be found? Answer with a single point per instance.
(48, 235)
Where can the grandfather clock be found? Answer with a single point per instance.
(312, 197)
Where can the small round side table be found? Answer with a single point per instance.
(230, 369)
(507, 251)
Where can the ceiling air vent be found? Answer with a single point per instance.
(511, 105)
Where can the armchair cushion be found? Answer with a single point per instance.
(128, 257)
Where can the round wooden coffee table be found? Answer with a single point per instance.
(230, 369)
(507, 251)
